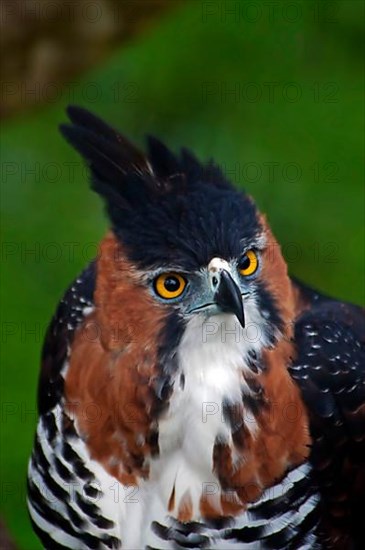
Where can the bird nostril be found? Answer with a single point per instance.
(214, 281)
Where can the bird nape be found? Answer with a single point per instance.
(192, 394)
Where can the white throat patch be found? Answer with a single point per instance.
(212, 359)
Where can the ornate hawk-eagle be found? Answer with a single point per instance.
(192, 394)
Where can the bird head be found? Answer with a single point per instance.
(199, 247)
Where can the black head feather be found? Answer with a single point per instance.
(85, 124)
(166, 209)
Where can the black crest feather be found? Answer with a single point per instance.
(112, 158)
(163, 206)
(89, 131)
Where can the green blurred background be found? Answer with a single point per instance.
(272, 90)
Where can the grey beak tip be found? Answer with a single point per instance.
(242, 319)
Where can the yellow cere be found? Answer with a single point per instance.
(170, 285)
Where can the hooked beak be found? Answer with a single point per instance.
(228, 297)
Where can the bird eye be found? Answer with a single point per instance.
(248, 263)
(169, 285)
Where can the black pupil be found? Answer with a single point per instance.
(244, 263)
(172, 284)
